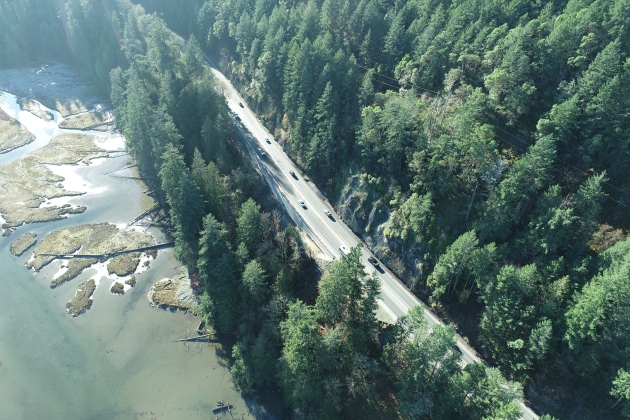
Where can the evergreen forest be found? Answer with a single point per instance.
(480, 148)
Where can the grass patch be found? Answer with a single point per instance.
(65, 106)
(117, 289)
(101, 239)
(24, 242)
(35, 108)
(67, 149)
(12, 134)
(81, 301)
(75, 267)
(26, 182)
(124, 264)
(99, 121)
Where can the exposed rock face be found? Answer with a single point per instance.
(362, 207)
(174, 293)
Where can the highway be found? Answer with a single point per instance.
(329, 233)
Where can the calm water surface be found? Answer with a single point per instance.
(119, 360)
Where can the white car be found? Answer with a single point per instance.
(345, 251)
(262, 152)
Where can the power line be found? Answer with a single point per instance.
(566, 163)
(494, 126)
(386, 84)
(571, 166)
(397, 81)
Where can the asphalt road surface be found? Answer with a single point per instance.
(328, 232)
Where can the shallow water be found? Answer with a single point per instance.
(119, 360)
(43, 130)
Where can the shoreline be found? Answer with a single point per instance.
(121, 349)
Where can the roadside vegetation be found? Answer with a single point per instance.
(480, 148)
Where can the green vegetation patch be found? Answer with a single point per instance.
(35, 108)
(12, 134)
(124, 265)
(81, 301)
(100, 121)
(24, 242)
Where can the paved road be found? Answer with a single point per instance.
(328, 232)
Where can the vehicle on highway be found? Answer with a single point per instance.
(267, 140)
(302, 204)
(240, 104)
(374, 262)
(345, 251)
(237, 118)
(327, 213)
(293, 174)
(262, 152)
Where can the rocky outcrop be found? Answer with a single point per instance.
(362, 205)
(176, 293)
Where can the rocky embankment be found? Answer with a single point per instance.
(362, 207)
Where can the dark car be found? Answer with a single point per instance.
(374, 261)
(267, 140)
(241, 104)
(237, 118)
(293, 174)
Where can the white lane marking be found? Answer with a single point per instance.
(397, 301)
(427, 313)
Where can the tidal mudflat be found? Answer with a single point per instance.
(120, 359)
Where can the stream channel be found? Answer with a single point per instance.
(120, 359)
